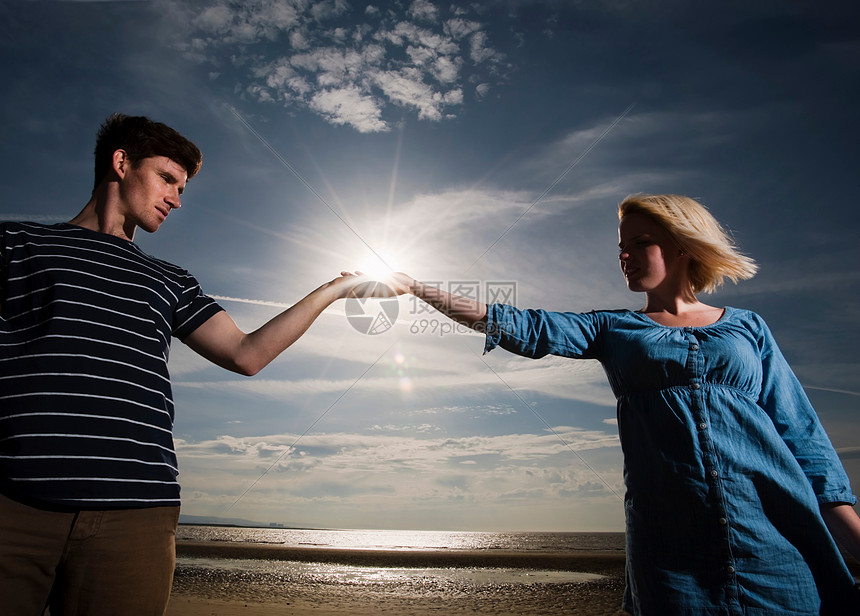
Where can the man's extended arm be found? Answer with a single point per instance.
(221, 341)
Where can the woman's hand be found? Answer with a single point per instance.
(360, 285)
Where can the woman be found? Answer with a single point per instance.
(731, 481)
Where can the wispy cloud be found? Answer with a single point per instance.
(247, 300)
(556, 377)
(847, 392)
(47, 218)
(849, 453)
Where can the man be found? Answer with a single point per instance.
(89, 500)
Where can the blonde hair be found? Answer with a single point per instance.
(712, 251)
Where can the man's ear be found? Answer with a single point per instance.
(120, 163)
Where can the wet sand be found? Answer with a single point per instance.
(203, 592)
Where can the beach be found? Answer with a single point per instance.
(232, 578)
(456, 582)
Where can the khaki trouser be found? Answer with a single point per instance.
(93, 563)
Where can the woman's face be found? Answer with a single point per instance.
(650, 258)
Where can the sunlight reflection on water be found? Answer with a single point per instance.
(447, 578)
(327, 573)
(407, 540)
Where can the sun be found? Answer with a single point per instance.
(379, 266)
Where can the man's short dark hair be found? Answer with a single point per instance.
(142, 138)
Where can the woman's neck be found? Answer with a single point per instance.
(681, 312)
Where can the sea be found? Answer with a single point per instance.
(408, 539)
(424, 541)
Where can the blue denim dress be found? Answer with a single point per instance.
(725, 462)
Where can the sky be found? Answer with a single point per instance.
(479, 146)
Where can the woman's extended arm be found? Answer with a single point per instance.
(463, 310)
(844, 525)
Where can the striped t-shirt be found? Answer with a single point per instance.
(86, 408)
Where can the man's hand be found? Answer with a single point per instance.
(364, 286)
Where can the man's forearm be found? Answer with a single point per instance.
(261, 346)
(220, 341)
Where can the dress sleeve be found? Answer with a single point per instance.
(784, 400)
(536, 333)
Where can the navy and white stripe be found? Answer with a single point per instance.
(86, 408)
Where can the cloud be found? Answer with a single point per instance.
(407, 88)
(350, 69)
(479, 48)
(350, 106)
(482, 90)
(401, 474)
(248, 22)
(459, 28)
(393, 429)
(383, 449)
(423, 10)
(789, 277)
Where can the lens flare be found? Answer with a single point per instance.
(379, 266)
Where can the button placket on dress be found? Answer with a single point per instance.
(695, 370)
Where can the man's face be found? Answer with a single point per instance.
(150, 189)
